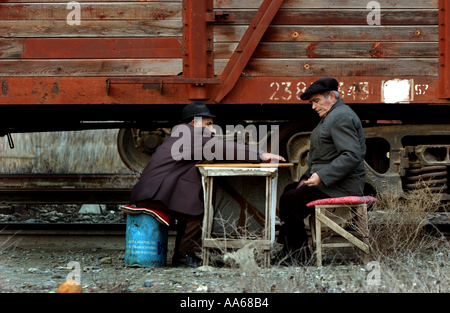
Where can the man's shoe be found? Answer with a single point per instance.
(186, 259)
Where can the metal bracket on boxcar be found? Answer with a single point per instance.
(10, 141)
(157, 82)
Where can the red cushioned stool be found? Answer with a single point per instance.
(322, 206)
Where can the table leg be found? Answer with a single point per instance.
(207, 220)
(318, 236)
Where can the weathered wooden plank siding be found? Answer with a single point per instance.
(172, 11)
(114, 39)
(90, 48)
(134, 38)
(330, 50)
(328, 4)
(342, 67)
(255, 67)
(255, 4)
(333, 33)
(92, 11)
(91, 28)
(342, 17)
(91, 67)
(333, 38)
(132, 48)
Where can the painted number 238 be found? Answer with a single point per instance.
(284, 92)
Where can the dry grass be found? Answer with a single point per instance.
(399, 227)
(412, 252)
(413, 255)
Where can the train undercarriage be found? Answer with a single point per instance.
(400, 152)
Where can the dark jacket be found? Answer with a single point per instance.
(171, 176)
(337, 152)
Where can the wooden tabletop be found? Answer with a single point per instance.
(248, 165)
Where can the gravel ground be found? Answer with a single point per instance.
(102, 271)
(43, 269)
(61, 214)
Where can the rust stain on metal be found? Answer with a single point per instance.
(311, 51)
(377, 53)
(417, 32)
(4, 88)
(55, 88)
(160, 15)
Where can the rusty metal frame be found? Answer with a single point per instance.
(444, 49)
(246, 47)
(158, 82)
(197, 45)
(248, 90)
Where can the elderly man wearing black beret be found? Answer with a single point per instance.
(335, 167)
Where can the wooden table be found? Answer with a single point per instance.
(268, 170)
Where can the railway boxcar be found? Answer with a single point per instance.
(64, 64)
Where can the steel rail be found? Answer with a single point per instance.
(65, 188)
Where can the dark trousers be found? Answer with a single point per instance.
(189, 230)
(293, 211)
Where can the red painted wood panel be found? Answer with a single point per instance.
(101, 48)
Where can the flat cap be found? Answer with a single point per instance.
(319, 86)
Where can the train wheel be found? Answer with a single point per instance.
(131, 155)
(136, 146)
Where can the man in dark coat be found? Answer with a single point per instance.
(335, 166)
(172, 184)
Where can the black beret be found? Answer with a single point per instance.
(319, 86)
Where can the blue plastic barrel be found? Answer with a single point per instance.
(145, 242)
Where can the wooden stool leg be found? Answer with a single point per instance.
(363, 227)
(318, 235)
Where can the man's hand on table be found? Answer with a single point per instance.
(271, 158)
